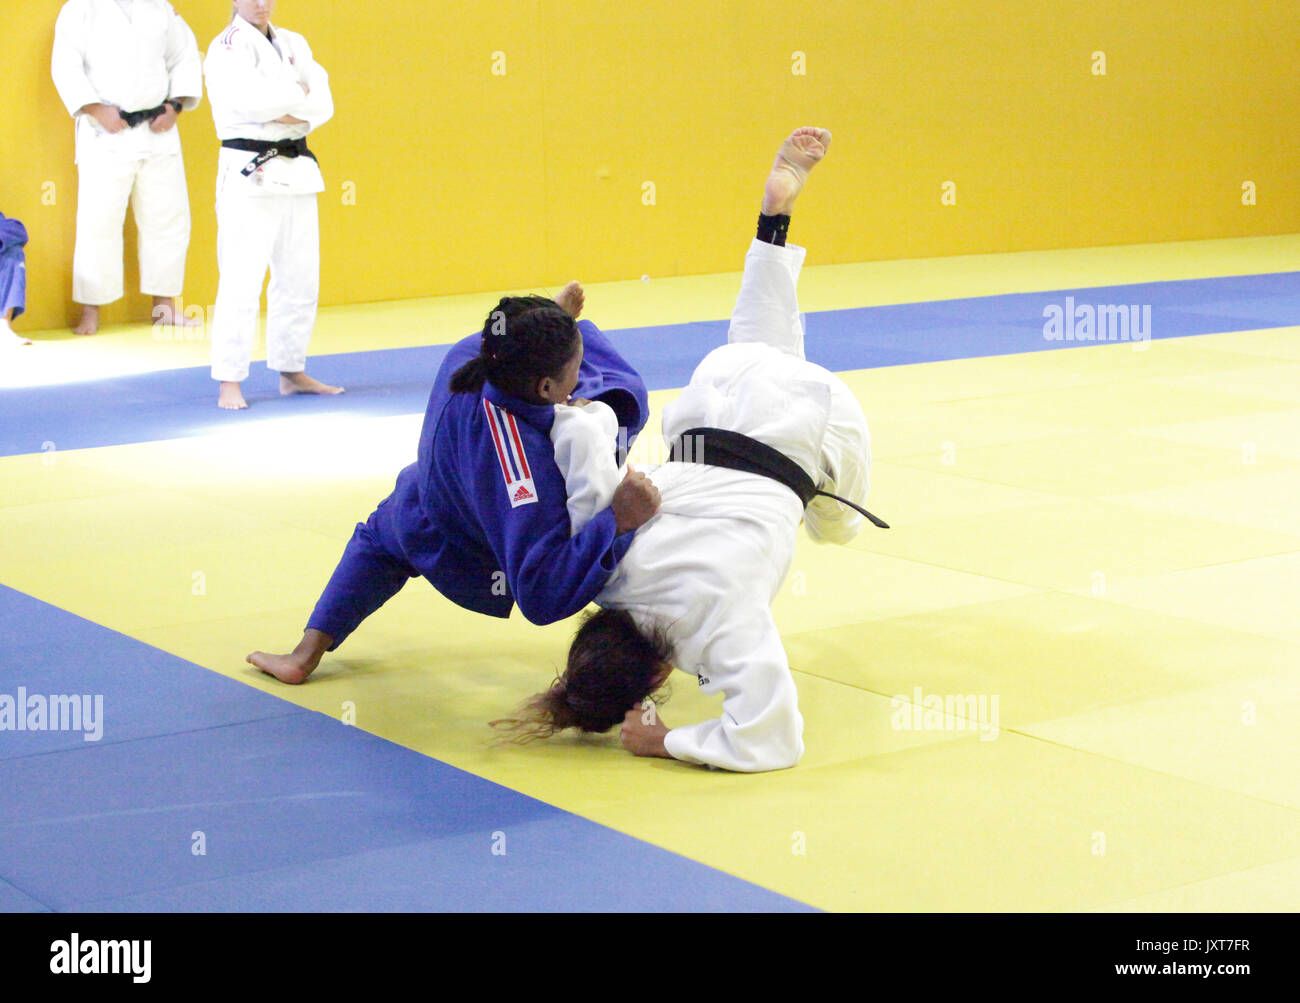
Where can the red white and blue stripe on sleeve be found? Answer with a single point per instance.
(510, 455)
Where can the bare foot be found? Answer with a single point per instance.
(89, 323)
(9, 338)
(572, 299)
(165, 314)
(231, 397)
(798, 155)
(295, 667)
(301, 383)
(291, 669)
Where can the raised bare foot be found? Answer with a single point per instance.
(572, 299)
(89, 323)
(291, 669)
(798, 155)
(301, 383)
(231, 397)
(165, 314)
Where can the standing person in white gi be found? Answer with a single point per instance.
(761, 439)
(267, 93)
(125, 69)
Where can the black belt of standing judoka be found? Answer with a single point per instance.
(134, 118)
(719, 447)
(267, 149)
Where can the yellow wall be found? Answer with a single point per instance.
(466, 180)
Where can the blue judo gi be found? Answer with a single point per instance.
(482, 513)
(13, 266)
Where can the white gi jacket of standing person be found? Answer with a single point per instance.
(252, 81)
(135, 61)
(708, 565)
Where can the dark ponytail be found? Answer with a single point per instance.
(525, 339)
(469, 378)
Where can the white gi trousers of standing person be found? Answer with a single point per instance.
(268, 218)
(135, 55)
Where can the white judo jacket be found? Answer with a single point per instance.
(252, 81)
(708, 565)
(136, 61)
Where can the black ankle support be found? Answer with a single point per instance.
(772, 229)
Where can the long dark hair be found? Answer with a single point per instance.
(613, 666)
(525, 339)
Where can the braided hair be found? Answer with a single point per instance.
(525, 339)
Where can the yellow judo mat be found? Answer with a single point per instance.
(1068, 678)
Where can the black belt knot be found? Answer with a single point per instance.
(267, 149)
(134, 118)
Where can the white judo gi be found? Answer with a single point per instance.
(707, 566)
(269, 218)
(134, 54)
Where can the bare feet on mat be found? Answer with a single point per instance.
(165, 314)
(798, 155)
(89, 323)
(301, 383)
(291, 669)
(572, 299)
(295, 667)
(230, 397)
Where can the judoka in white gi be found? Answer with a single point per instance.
(695, 588)
(267, 94)
(125, 69)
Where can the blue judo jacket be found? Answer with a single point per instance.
(14, 235)
(482, 513)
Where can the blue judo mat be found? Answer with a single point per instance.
(180, 402)
(294, 811)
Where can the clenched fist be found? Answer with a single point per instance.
(107, 115)
(636, 500)
(643, 733)
(165, 121)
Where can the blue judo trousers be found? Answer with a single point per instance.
(482, 513)
(13, 266)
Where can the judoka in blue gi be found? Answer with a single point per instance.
(13, 279)
(482, 513)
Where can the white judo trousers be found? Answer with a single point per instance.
(256, 233)
(155, 188)
(767, 313)
(706, 568)
(133, 55)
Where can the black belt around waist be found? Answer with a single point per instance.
(719, 447)
(134, 118)
(267, 149)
